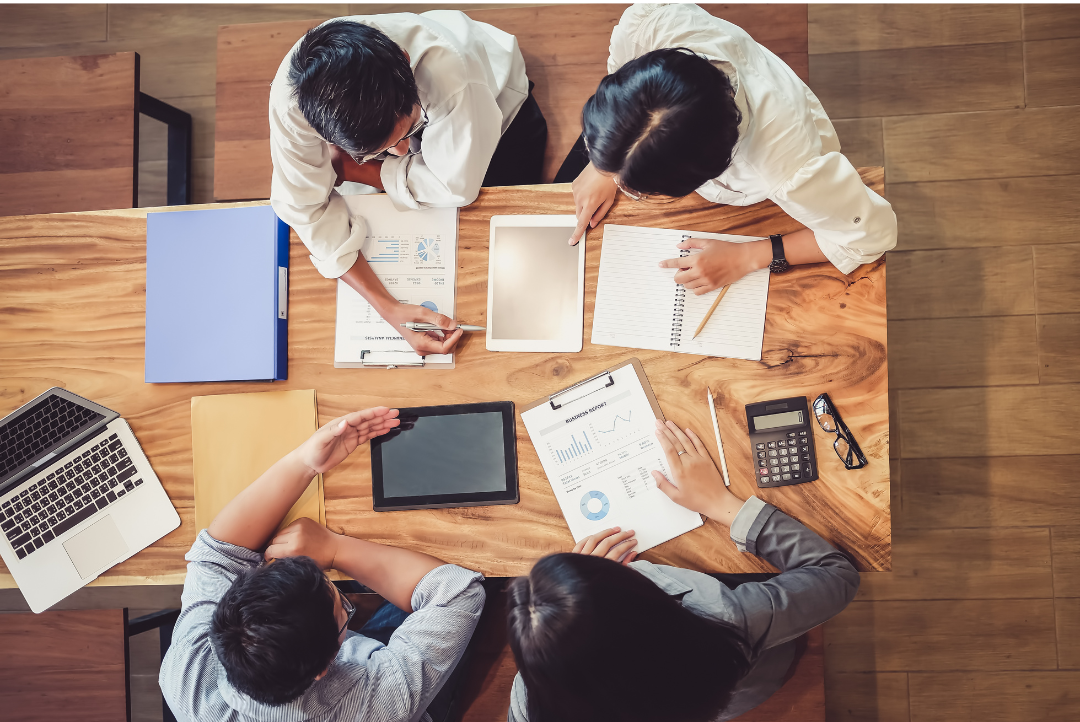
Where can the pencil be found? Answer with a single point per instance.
(712, 308)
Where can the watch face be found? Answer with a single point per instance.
(779, 266)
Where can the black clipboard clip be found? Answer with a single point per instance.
(582, 393)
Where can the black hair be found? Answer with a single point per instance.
(353, 85)
(664, 123)
(274, 631)
(595, 640)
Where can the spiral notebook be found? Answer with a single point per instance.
(639, 305)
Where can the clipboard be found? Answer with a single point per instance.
(595, 383)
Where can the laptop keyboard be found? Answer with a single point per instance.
(41, 428)
(68, 496)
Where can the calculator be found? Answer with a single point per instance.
(782, 442)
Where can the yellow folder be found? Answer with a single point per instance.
(236, 437)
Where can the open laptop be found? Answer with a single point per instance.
(77, 495)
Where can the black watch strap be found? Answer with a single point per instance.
(779, 262)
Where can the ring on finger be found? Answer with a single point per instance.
(681, 453)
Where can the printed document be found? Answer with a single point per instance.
(598, 450)
(639, 305)
(414, 254)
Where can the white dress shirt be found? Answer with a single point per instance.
(787, 150)
(471, 81)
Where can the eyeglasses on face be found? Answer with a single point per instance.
(350, 610)
(382, 154)
(634, 195)
(845, 445)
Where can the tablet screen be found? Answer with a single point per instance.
(438, 455)
(458, 455)
(534, 278)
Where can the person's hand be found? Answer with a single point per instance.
(338, 159)
(304, 538)
(424, 342)
(718, 264)
(593, 195)
(329, 446)
(695, 482)
(611, 544)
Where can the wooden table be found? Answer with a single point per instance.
(565, 49)
(72, 287)
(70, 128)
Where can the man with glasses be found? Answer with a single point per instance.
(427, 108)
(263, 635)
(692, 103)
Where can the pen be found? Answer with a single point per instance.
(709, 313)
(719, 444)
(413, 326)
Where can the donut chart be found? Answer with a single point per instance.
(595, 511)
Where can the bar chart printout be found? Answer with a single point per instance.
(575, 449)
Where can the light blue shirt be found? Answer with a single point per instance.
(366, 681)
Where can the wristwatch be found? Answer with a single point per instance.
(779, 263)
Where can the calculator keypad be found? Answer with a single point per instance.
(784, 460)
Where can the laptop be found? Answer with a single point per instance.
(77, 495)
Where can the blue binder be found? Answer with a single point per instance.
(216, 295)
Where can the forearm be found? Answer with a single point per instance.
(255, 513)
(799, 247)
(362, 279)
(369, 173)
(392, 572)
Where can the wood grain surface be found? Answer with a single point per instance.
(73, 292)
(64, 665)
(70, 133)
(565, 49)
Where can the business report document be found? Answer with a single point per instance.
(598, 451)
(414, 255)
(638, 304)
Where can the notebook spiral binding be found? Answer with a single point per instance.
(679, 306)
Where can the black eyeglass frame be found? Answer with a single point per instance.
(385, 152)
(824, 405)
(349, 607)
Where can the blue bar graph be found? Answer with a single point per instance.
(575, 449)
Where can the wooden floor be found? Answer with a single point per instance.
(975, 113)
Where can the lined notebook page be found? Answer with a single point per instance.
(638, 304)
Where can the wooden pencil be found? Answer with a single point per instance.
(712, 308)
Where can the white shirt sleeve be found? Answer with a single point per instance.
(455, 153)
(302, 194)
(853, 224)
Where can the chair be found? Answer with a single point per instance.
(71, 135)
(72, 664)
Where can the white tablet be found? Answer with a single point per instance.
(536, 284)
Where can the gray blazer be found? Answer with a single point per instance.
(816, 583)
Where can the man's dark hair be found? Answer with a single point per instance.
(274, 631)
(595, 640)
(664, 123)
(353, 84)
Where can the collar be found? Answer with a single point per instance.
(670, 586)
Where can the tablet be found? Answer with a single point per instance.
(440, 456)
(536, 284)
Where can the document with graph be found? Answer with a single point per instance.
(414, 254)
(638, 304)
(597, 444)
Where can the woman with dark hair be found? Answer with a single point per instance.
(599, 636)
(692, 103)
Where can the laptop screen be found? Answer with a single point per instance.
(35, 431)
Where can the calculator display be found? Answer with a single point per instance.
(775, 421)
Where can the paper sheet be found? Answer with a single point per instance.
(414, 254)
(639, 305)
(598, 452)
(236, 437)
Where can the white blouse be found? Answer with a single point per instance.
(787, 150)
(471, 81)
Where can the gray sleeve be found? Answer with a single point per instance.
(815, 584)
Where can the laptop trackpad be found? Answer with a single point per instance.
(96, 546)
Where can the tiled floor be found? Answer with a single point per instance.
(974, 110)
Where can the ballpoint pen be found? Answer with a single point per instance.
(719, 444)
(413, 326)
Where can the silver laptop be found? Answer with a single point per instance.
(77, 495)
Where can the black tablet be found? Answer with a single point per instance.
(459, 455)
